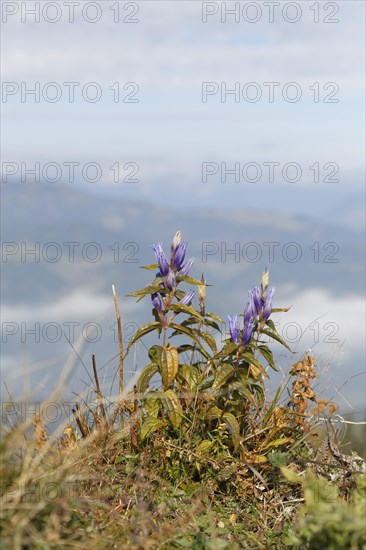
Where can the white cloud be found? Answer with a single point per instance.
(170, 48)
(326, 323)
(79, 305)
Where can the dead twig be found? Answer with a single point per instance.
(119, 326)
(99, 392)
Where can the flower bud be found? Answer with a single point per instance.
(170, 280)
(175, 242)
(264, 283)
(156, 301)
(202, 289)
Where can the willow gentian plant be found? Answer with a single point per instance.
(198, 380)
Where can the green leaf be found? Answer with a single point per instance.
(279, 309)
(274, 334)
(152, 404)
(243, 389)
(267, 354)
(189, 280)
(151, 289)
(146, 376)
(209, 339)
(150, 425)
(213, 325)
(179, 294)
(223, 373)
(181, 308)
(228, 349)
(174, 408)
(258, 390)
(191, 333)
(142, 332)
(249, 357)
(204, 447)
(150, 267)
(233, 427)
(188, 374)
(183, 348)
(168, 365)
(213, 412)
(215, 317)
(278, 442)
(201, 333)
(154, 353)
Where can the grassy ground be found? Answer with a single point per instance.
(102, 492)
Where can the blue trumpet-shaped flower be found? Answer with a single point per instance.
(257, 300)
(156, 302)
(267, 308)
(179, 255)
(234, 328)
(187, 299)
(186, 267)
(259, 304)
(250, 309)
(247, 332)
(161, 259)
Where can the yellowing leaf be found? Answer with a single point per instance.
(146, 376)
(169, 362)
(278, 442)
(213, 412)
(142, 332)
(174, 408)
(203, 447)
(150, 425)
(233, 427)
(257, 459)
(152, 405)
(222, 375)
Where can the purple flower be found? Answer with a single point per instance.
(187, 299)
(247, 332)
(234, 328)
(170, 279)
(257, 299)
(267, 308)
(156, 301)
(186, 267)
(161, 259)
(179, 255)
(250, 309)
